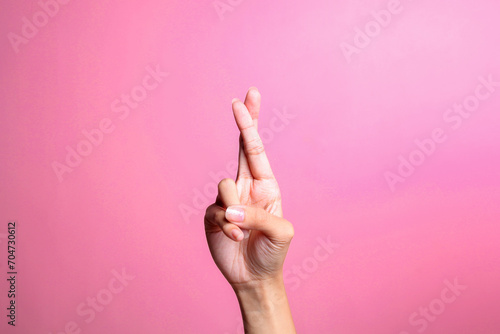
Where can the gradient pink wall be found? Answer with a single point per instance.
(335, 123)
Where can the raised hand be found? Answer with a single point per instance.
(246, 233)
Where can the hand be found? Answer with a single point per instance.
(246, 233)
(250, 239)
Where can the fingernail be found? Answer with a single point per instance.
(235, 214)
(234, 100)
(246, 233)
(237, 235)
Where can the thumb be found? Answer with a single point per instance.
(253, 218)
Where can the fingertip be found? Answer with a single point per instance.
(241, 115)
(237, 234)
(234, 100)
(254, 95)
(232, 231)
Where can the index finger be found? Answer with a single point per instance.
(252, 102)
(252, 143)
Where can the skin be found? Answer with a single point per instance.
(250, 250)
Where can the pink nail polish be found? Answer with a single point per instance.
(235, 214)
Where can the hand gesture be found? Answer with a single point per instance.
(246, 233)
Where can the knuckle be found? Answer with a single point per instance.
(287, 230)
(208, 210)
(210, 213)
(290, 231)
(224, 184)
(247, 126)
(208, 219)
(220, 216)
(254, 147)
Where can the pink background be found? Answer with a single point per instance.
(136, 202)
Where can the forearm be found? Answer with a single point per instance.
(264, 307)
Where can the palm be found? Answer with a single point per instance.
(254, 257)
(261, 193)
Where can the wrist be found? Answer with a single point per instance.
(260, 296)
(264, 306)
(259, 285)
